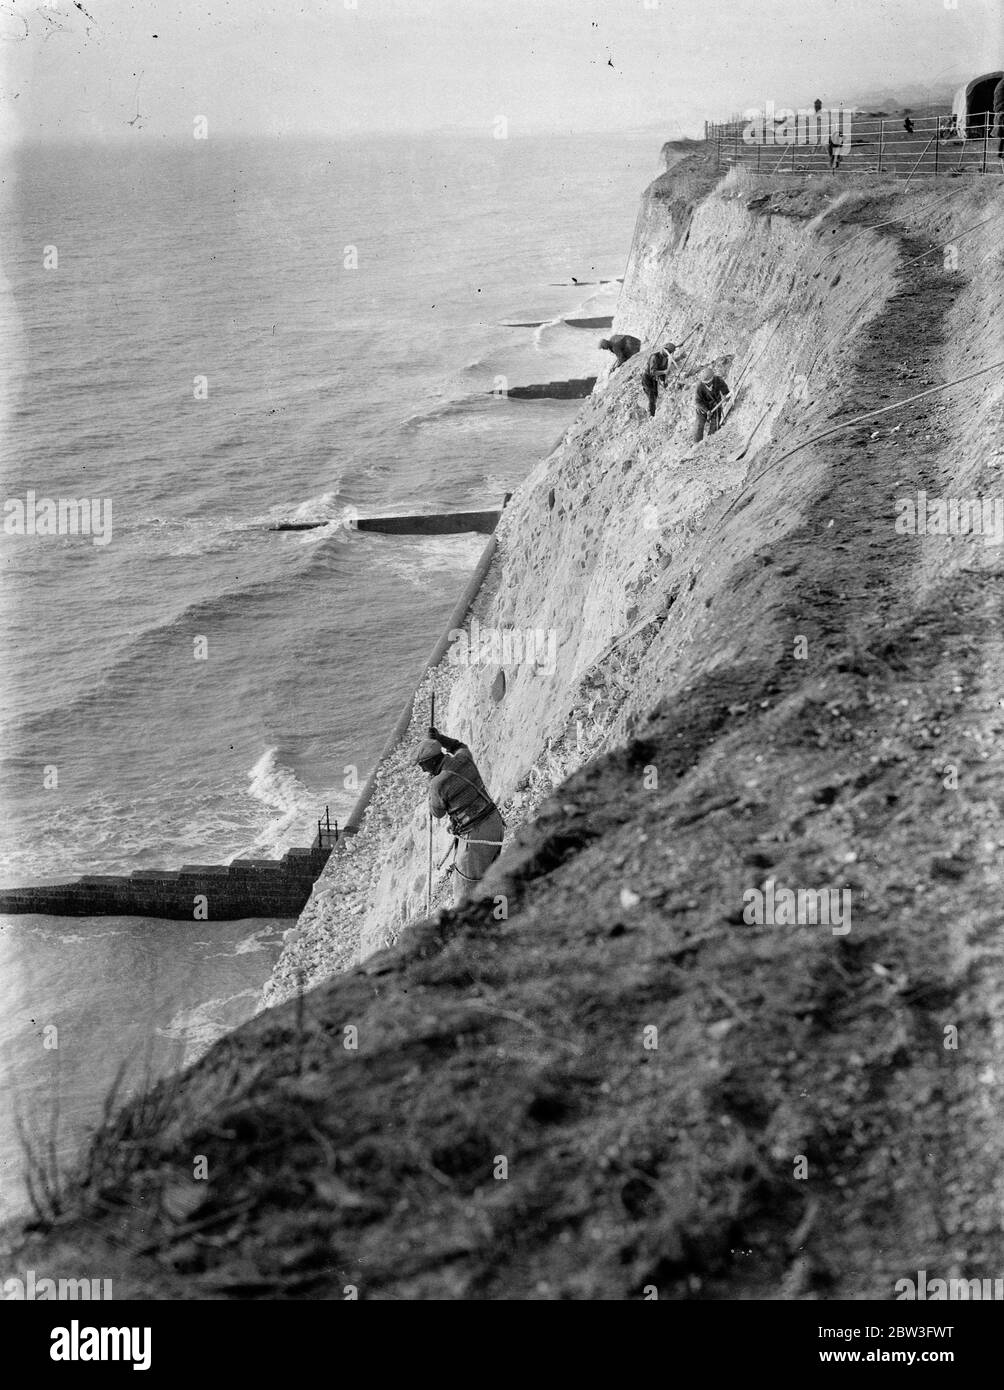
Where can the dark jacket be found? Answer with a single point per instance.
(658, 365)
(623, 346)
(708, 394)
(457, 790)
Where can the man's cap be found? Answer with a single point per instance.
(427, 750)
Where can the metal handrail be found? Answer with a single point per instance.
(325, 830)
(876, 144)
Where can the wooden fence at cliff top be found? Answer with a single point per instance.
(871, 145)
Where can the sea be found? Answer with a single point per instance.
(206, 340)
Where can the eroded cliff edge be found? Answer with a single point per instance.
(607, 537)
(622, 1083)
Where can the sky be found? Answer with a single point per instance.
(130, 70)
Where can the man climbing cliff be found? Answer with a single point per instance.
(456, 789)
(622, 345)
(709, 400)
(656, 373)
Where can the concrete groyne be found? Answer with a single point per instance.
(414, 524)
(574, 389)
(195, 892)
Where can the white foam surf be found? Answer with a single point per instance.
(285, 800)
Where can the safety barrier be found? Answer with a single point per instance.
(929, 146)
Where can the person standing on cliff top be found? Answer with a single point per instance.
(709, 398)
(457, 790)
(656, 373)
(622, 345)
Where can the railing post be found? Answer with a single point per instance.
(735, 155)
(937, 147)
(758, 156)
(919, 159)
(881, 143)
(327, 818)
(794, 147)
(986, 139)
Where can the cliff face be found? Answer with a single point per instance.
(616, 1072)
(602, 551)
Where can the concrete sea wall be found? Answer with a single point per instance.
(216, 892)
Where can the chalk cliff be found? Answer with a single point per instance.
(605, 539)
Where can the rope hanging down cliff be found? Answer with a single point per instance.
(872, 227)
(847, 424)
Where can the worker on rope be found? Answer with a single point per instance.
(622, 345)
(656, 373)
(457, 790)
(709, 401)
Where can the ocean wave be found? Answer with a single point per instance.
(259, 940)
(177, 538)
(116, 833)
(460, 405)
(137, 654)
(337, 530)
(602, 302)
(183, 537)
(497, 486)
(518, 361)
(326, 506)
(470, 414)
(541, 329)
(134, 659)
(329, 513)
(285, 800)
(414, 562)
(196, 1029)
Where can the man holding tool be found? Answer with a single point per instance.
(457, 790)
(709, 398)
(656, 373)
(658, 367)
